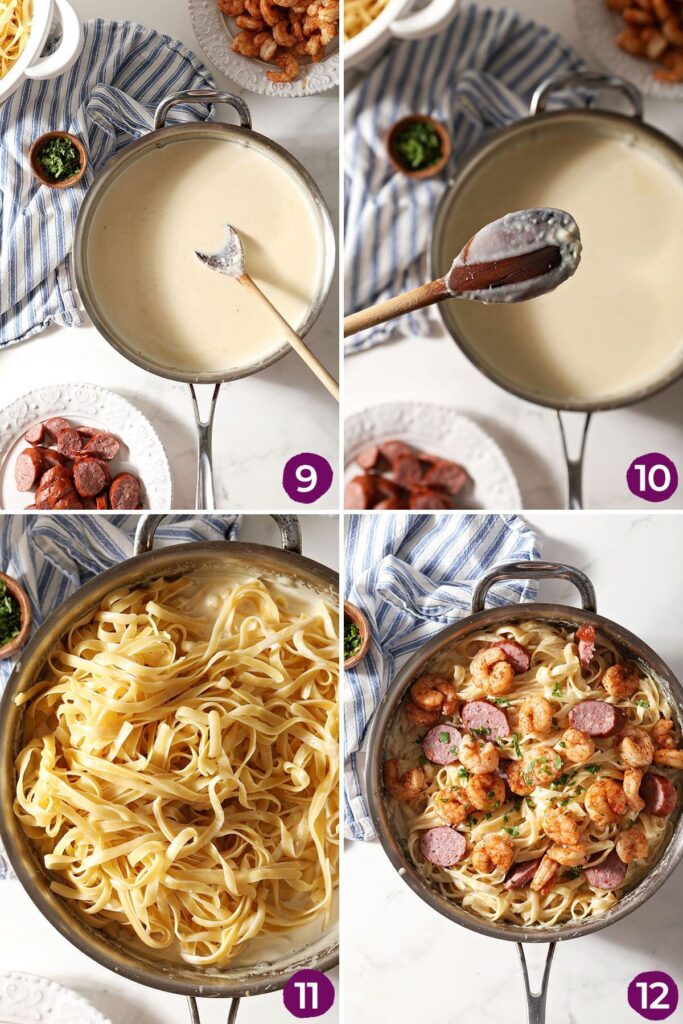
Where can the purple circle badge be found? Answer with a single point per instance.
(306, 477)
(308, 994)
(653, 995)
(653, 477)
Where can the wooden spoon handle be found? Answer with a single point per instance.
(293, 338)
(425, 295)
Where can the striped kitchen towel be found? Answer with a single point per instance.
(54, 555)
(107, 99)
(477, 75)
(412, 575)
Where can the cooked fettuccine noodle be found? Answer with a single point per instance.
(15, 26)
(358, 14)
(180, 770)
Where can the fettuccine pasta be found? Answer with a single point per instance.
(180, 769)
(358, 14)
(15, 26)
(534, 796)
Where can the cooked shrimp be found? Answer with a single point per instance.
(569, 856)
(632, 780)
(282, 35)
(231, 7)
(267, 44)
(605, 801)
(662, 734)
(431, 692)
(493, 852)
(631, 845)
(269, 12)
(561, 827)
(578, 746)
(545, 873)
(669, 758)
(478, 757)
(404, 787)
(419, 716)
(636, 749)
(492, 671)
(253, 24)
(486, 792)
(542, 765)
(520, 786)
(244, 43)
(536, 716)
(452, 805)
(621, 680)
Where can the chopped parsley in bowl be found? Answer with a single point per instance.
(58, 159)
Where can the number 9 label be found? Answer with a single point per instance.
(306, 477)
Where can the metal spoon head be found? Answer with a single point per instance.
(228, 260)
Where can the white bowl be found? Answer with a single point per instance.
(390, 24)
(30, 64)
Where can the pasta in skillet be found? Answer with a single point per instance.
(15, 26)
(180, 771)
(545, 780)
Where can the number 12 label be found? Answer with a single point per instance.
(653, 995)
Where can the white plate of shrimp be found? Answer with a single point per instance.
(271, 62)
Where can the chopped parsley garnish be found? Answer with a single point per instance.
(59, 159)
(10, 616)
(423, 761)
(464, 773)
(444, 737)
(572, 873)
(556, 690)
(531, 804)
(476, 733)
(515, 744)
(562, 744)
(418, 145)
(592, 768)
(352, 640)
(501, 702)
(643, 704)
(512, 830)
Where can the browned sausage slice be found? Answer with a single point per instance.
(393, 503)
(102, 501)
(441, 744)
(54, 473)
(69, 501)
(393, 450)
(28, 468)
(125, 492)
(520, 875)
(91, 476)
(69, 443)
(35, 434)
(53, 458)
(515, 654)
(424, 498)
(407, 470)
(102, 446)
(447, 476)
(659, 794)
(371, 457)
(585, 638)
(610, 874)
(359, 492)
(443, 846)
(54, 425)
(480, 715)
(88, 432)
(597, 718)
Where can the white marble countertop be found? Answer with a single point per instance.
(32, 945)
(433, 369)
(447, 973)
(262, 420)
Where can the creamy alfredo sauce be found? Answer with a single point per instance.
(618, 323)
(158, 297)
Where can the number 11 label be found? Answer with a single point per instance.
(308, 994)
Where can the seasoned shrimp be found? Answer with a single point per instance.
(561, 827)
(493, 852)
(231, 7)
(669, 758)
(636, 749)
(632, 780)
(452, 805)
(536, 716)
(569, 856)
(578, 746)
(404, 787)
(621, 680)
(269, 12)
(542, 765)
(282, 35)
(267, 44)
(492, 671)
(520, 786)
(662, 734)
(545, 873)
(486, 792)
(431, 692)
(244, 43)
(605, 801)
(253, 24)
(478, 757)
(420, 716)
(631, 845)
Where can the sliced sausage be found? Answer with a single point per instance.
(69, 443)
(393, 503)
(479, 715)
(35, 434)
(407, 470)
(448, 476)
(424, 498)
(441, 744)
(53, 458)
(91, 476)
(597, 718)
(393, 450)
(125, 492)
(371, 457)
(28, 508)
(443, 846)
(359, 492)
(585, 638)
(28, 468)
(54, 473)
(515, 654)
(387, 489)
(54, 425)
(102, 501)
(88, 432)
(658, 793)
(102, 446)
(520, 875)
(54, 490)
(610, 874)
(70, 501)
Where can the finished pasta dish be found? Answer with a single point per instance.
(531, 774)
(15, 26)
(180, 768)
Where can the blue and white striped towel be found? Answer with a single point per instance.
(107, 99)
(413, 575)
(475, 77)
(54, 555)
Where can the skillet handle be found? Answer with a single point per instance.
(574, 433)
(290, 532)
(529, 570)
(194, 1010)
(535, 1001)
(203, 97)
(588, 79)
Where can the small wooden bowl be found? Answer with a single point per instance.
(356, 615)
(426, 172)
(39, 172)
(19, 594)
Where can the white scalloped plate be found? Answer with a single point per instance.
(599, 26)
(215, 33)
(141, 452)
(439, 430)
(30, 999)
